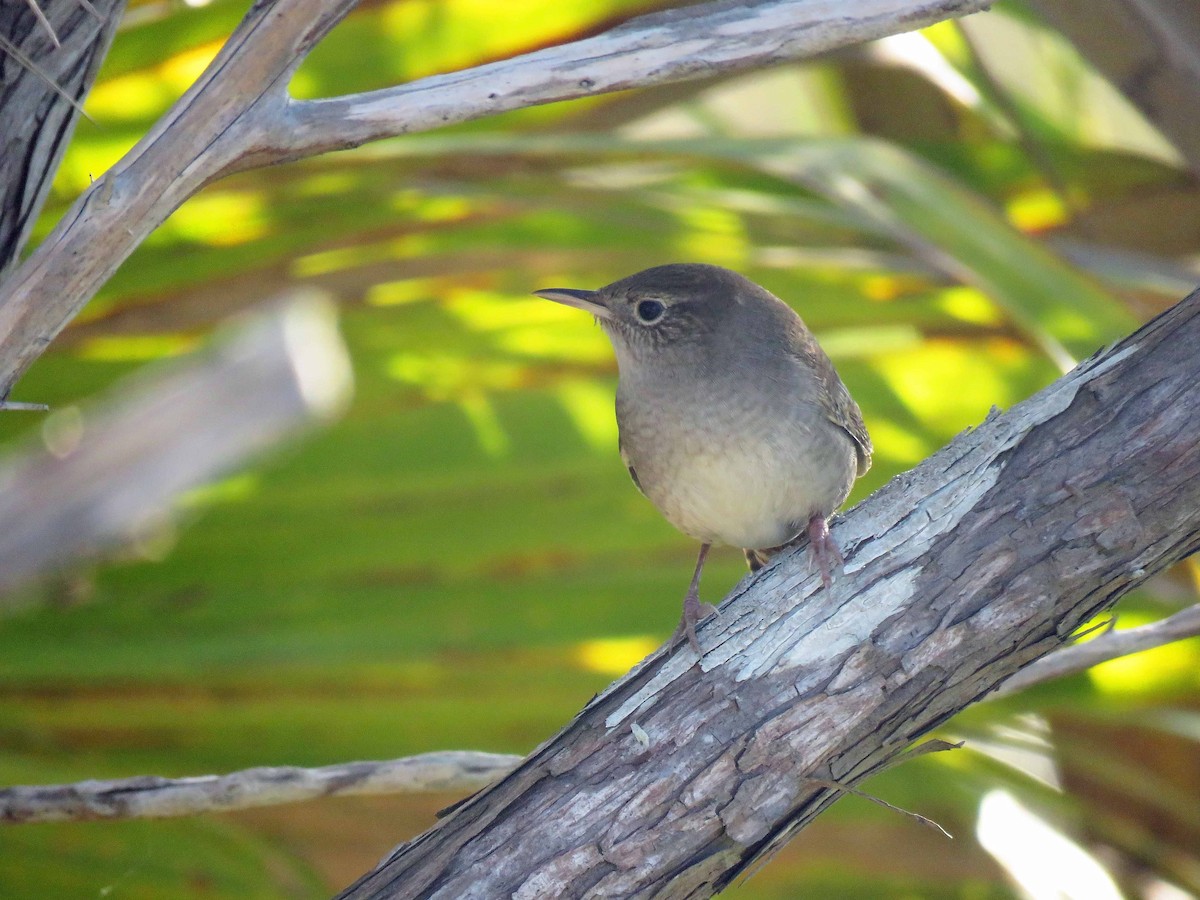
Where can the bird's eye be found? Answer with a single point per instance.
(650, 311)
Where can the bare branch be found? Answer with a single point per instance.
(13, 406)
(187, 148)
(238, 116)
(684, 44)
(1081, 657)
(464, 771)
(151, 797)
(459, 771)
(110, 471)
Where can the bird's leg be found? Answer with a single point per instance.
(694, 610)
(823, 549)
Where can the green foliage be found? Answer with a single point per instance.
(461, 562)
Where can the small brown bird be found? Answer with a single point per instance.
(732, 420)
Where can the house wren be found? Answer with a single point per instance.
(732, 420)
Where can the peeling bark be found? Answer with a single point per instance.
(985, 557)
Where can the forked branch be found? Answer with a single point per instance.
(238, 115)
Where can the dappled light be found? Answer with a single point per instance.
(234, 489)
(1038, 210)
(456, 558)
(363, 52)
(590, 407)
(951, 383)
(614, 656)
(136, 347)
(218, 218)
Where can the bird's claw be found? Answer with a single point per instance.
(695, 611)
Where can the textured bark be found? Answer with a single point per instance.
(36, 121)
(983, 558)
(238, 115)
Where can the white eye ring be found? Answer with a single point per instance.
(649, 311)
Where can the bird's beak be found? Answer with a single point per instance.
(588, 301)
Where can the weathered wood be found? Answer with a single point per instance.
(116, 467)
(238, 115)
(36, 121)
(983, 558)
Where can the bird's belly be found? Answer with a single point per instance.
(751, 493)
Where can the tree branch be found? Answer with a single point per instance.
(1112, 645)
(238, 116)
(153, 797)
(985, 557)
(678, 45)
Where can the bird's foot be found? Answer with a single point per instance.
(823, 549)
(695, 611)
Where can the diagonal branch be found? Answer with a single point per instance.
(238, 116)
(987, 556)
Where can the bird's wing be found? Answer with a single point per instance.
(839, 407)
(844, 412)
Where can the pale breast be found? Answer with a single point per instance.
(725, 474)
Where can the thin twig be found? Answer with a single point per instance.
(1080, 657)
(846, 789)
(24, 59)
(150, 796)
(16, 406)
(43, 21)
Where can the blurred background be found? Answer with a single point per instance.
(460, 560)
